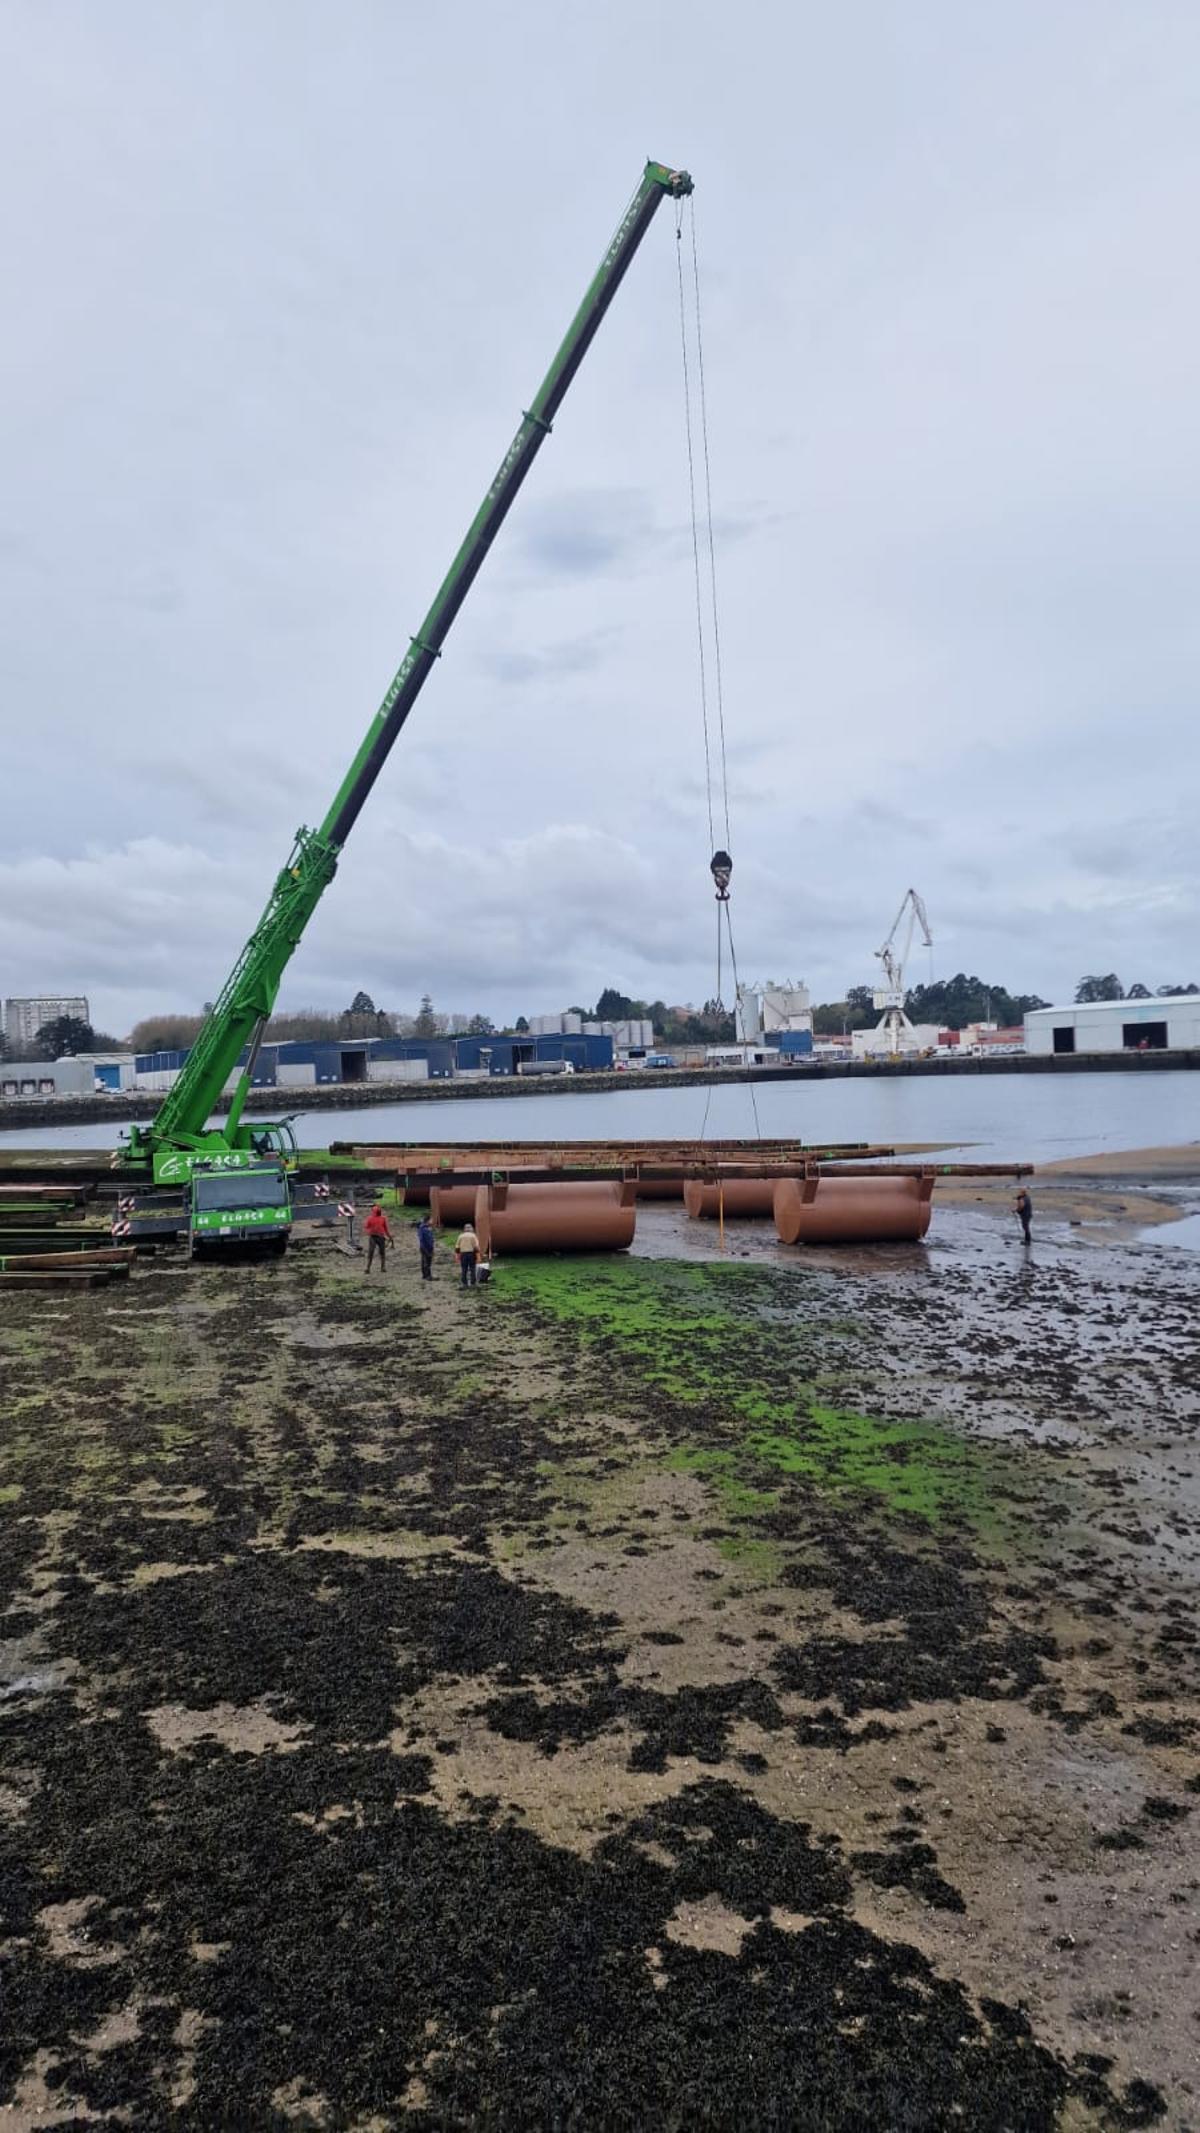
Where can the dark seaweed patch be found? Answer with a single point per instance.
(909, 1865)
(692, 1721)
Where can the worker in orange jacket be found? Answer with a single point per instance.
(378, 1237)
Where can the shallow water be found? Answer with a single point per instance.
(997, 1118)
(1186, 1232)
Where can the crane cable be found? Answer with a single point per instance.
(691, 464)
(721, 864)
(712, 552)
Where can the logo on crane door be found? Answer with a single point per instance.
(170, 1167)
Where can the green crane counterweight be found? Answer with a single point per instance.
(181, 1135)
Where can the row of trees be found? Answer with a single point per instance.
(950, 1004)
(1111, 988)
(313, 1025)
(63, 1038)
(711, 1024)
(959, 1000)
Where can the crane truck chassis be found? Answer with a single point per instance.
(241, 1204)
(181, 1145)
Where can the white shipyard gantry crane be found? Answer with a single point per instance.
(895, 1026)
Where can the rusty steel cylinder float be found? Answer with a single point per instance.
(451, 1204)
(418, 1191)
(584, 1216)
(735, 1198)
(876, 1210)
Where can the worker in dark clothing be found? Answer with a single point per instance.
(378, 1237)
(1023, 1207)
(425, 1242)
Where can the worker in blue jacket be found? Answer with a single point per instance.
(425, 1242)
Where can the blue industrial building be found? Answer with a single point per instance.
(505, 1055)
(301, 1064)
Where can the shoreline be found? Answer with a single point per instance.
(138, 1105)
(1110, 1194)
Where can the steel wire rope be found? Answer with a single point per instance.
(715, 622)
(691, 461)
(718, 674)
(712, 552)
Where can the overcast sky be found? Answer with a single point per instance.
(278, 278)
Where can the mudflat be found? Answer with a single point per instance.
(664, 1690)
(1121, 1189)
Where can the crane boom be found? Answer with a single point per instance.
(180, 1128)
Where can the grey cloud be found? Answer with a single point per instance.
(949, 365)
(578, 655)
(580, 533)
(880, 815)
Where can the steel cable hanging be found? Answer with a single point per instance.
(712, 552)
(691, 462)
(722, 864)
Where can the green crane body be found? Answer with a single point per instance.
(180, 1134)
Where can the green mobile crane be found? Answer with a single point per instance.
(181, 1144)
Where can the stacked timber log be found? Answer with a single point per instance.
(41, 1247)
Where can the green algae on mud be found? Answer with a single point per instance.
(739, 1344)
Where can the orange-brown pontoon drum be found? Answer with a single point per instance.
(449, 1204)
(877, 1210)
(415, 1192)
(583, 1217)
(742, 1197)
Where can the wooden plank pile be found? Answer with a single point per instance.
(47, 1241)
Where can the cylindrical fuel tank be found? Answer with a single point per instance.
(852, 1210)
(451, 1204)
(416, 1193)
(660, 1188)
(741, 1196)
(569, 1217)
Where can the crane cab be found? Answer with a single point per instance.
(227, 1208)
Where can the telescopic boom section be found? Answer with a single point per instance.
(252, 988)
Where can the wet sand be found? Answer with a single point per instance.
(1111, 1193)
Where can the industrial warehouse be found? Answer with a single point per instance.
(1168, 1023)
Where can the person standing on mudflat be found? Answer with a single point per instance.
(1023, 1207)
(466, 1251)
(378, 1237)
(425, 1242)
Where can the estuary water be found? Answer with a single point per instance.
(988, 1118)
